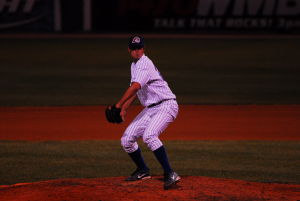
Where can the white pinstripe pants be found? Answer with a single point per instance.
(149, 124)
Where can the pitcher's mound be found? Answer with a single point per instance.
(190, 188)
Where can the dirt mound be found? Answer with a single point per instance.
(190, 188)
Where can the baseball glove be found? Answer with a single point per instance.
(113, 114)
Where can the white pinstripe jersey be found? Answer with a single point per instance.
(153, 87)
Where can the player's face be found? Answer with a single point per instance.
(136, 54)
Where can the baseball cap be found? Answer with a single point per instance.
(136, 42)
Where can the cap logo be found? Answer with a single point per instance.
(136, 40)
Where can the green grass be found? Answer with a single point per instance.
(200, 71)
(263, 161)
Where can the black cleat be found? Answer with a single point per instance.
(139, 175)
(170, 180)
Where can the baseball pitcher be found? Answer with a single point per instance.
(160, 110)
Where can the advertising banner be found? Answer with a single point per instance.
(152, 16)
(196, 15)
(27, 16)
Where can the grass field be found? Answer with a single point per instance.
(200, 71)
(247, 160)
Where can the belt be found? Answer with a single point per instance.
(155, 104)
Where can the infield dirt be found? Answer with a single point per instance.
(194, 122)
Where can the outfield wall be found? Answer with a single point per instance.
(171, 16)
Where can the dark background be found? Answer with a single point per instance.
(155, 16)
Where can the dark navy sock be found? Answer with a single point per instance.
(162, 157)
(138, 159)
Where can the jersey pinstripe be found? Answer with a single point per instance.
(153, 87)
(148, 125)
(152, 121)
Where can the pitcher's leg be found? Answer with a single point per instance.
(157, 125)
(159, 122)
(134, 131)
(161, 117)
(129, 144)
